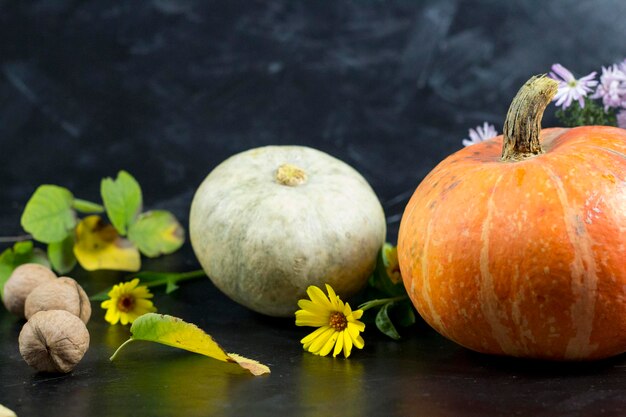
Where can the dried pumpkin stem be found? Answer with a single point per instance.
(290, 175)
(523, 120)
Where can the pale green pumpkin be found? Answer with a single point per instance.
(267, 223)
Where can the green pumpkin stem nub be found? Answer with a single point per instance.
(290, 175)
(523, 120)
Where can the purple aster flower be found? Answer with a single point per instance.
(480, 134)
(612, 88)
(621, 119)
(571, 88)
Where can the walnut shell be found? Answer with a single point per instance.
(53, 341)
(24, 279)
(62, 294)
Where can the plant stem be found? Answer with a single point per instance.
(523, 120)
(183, 276)
(120, 348)
(169, 278)
(381, 301)
(12, 239)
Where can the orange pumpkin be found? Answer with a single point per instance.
(517, 245)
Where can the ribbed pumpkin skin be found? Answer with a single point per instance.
(524, 258)
(263, 243)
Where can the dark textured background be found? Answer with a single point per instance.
(168, 88)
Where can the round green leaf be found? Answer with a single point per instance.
(20, 253)
(122, 200)
(156, 232)
(48, 215)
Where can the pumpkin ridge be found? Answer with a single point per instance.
(488, 296)
(584, 275)
(609, 150)
(426, 289)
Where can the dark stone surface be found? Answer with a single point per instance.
(168, 88)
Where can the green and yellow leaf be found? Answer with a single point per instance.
(172, 331)
(386, 277)
(122, 200)
(48, 215)
(156, 232)
(99, 246)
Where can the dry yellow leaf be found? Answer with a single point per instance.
(99, 246)
(172, 331)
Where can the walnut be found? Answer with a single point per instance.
(62, 294)
(24, 279)
(53, 341)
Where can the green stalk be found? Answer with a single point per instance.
(381, 301)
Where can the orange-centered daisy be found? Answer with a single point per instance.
(339, 326)
(128, 300)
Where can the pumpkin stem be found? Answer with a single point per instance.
(290, 175)
(523, 120)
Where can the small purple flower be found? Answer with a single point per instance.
(571, 88)
(621, 119)
(480, 134)
(612, 88)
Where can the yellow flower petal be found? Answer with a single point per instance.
(357, 314)
(347, 344)
(304, 318)
(326, 312)
(313, 308)
(338, 344)
(312, 336)
(128, 301)
(317, 296)
(321, 340)
(359, 342)
(131, 285)
(332, 297)
(359, 326)
(112, 316)
(328, 346)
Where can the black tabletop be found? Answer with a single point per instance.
(167, 89)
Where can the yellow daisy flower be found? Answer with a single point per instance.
(339, 326)
(128, 300)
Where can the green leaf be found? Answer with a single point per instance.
(122, 200)
(156, 232)
(48, 215)
(61, 255)
(20, 253)
(384, 324)
(87, 207)
(171, 287)
(592, 114)
(156, 279)
(172, 331)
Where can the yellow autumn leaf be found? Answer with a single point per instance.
(172, 331)
(99, 246)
